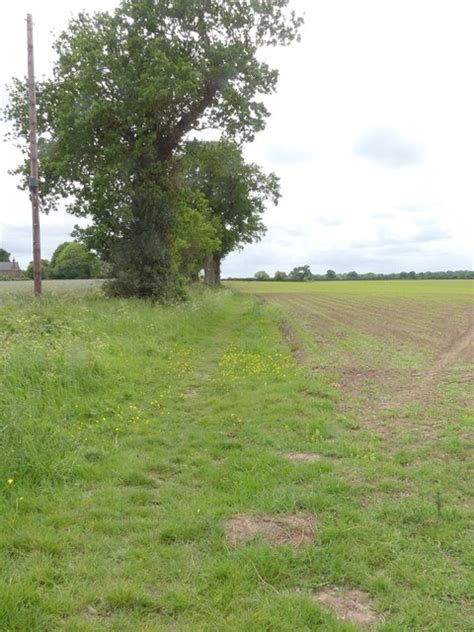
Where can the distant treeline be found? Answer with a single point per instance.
(303, 273)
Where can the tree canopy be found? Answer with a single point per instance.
(71, 260)
(127, 90)
(4, 255)
(236, 192)
(195, 236)
(300, 273)
(45, 270)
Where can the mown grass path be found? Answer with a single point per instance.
(132, 435)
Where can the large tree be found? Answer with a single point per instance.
(301, 273)
(72, 260)
(45, 266)
(4, 255)
(236, 192)
(127, 89)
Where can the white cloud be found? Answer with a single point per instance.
(388, 148)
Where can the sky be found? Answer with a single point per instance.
(371, 134)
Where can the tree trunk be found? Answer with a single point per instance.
(212, 271)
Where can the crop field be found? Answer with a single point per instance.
(397, 350)
(270, 457)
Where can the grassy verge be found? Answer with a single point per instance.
(131, 434)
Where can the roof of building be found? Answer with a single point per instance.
(6, 266)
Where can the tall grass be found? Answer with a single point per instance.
(67, 364)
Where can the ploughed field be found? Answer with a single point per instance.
(298, 463)
(397, 351)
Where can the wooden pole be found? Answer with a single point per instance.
(34, 195)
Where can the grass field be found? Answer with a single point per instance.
(50, 288)
(293, 463)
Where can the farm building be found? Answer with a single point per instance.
(10, 269)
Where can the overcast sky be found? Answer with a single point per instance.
(371, 133)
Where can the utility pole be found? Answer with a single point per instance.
(34, 196)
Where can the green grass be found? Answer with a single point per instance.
(133, 432)
(50, 288)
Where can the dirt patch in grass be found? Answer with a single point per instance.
(353, 606)
(293, 530)
(156, 477)
(302, 457)
(191, 393)
(93, 614)
(378, 498)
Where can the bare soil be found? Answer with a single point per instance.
(422, 386)
(439, 336)
(293, 530)
(302, 457)
(461, 349)
(93, 614)
(293, 341)
(353, 606)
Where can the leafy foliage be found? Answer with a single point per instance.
(72, 260)
(4, 255)
(57, 252)
(236, 191)
(195, 236)
(300, 273)
(45, 269)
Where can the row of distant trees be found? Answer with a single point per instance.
(303, 273)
